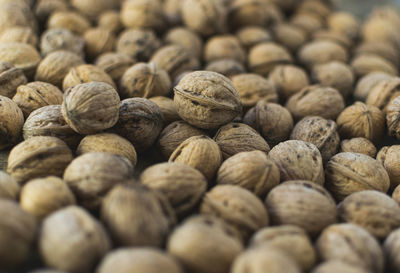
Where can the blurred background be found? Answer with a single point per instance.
(362, 7)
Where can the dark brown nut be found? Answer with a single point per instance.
(344, 23)
(38, 157)
(140, 121)
(237, 206)
(44, 8)
(358, 145)
(186, 38)
(19, 34)
(249, 36)
(383, 92)
(273, 121)
(389, 158)
(253, 88)
(137, 216)
(93, 8)
(301, 203)
(335, 74)
(374, 211)
(347, 173)
(80, 255)
(391, 250)
(316, 100)
(71, 20)
(174, 134)
(86, 73)
(91, 107)
(254, 171)
(22, 56)
(226, 67)
(10, 78)
(138, 44)
(91, 175)
(61, 39)
(320, 132)
(207, 99)
(204, 244)
(12, 120)
(183, 185)
(48, 121)
(56, 65)
(9, 188)
(298, 160)
(98, 41)
(114, 64)
(139, 260)
(168, 109)
(392, 116)
(334, 266)
(321, 52)
(18, 232)
(224, 47)
(110, 20)
(249, 13)
(145, 80)
(145, 14)
(264, 57)
(384, 50)
(290, 36)
(35, 95)
(351, 244)
(172, 12)
(367, 83)
(108, 143)
(310, 23)
(285, 238)
(235, 137)
(43, 196)
(201, 153)
(367, 63)
(175, 59)
(361, 120)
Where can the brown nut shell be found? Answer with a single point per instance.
(142, 14)
(367, 83)
(71, 20)
(288, 80)
(388, 156)
(114, 64)
(383, 92)
(168, 109)
(391, 248)
(98, 40)
(358, 145)
(10, 78)
(86, 73)
(320, 52)
(12, 120)
(61, 39)
(367, 63)
(9, 188)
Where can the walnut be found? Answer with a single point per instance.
(249, 36)
(367, 63)
(86, 73)
(321, 52)
(391, 250)
(186, 38)
(383, 92)
(168, 108)
(345, 23)
(224, 47)
(114, 64)
(110, 20)
(358, 145)
(19, 34)
(226, 67)
(93, 8)
(333, 266)
(142, 14)
(61, 39)
(71, 20)
(388, 156)
(10, 78)
(20, 55)
(291, 36)
(98, 41)
(9, 188)
(138, 44)
(381, 49)
(288, 80)
(12, 120)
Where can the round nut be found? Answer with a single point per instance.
(23, 56)
(345, 23)
(71, 20)
(249, 36)
(368, 63)
(142, 14)
(86, 73)
(9, 188)
(288, 80)
(289, 35)
(321, 52)
(168, 109)
(388, 156)
(98, 40)
(10, 78)
(186, 38)
(227, 67)
(384, 92)
(114, 64)
(224, 47)
(12, 120)
(110, 20)
(367, 83)
(61, 39)
(358, 145)
(93, 8)
(19, 34)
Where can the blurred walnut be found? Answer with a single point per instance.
(358, 145)
(291, 36)
(98, 41)
(10, 78)
(224, 47)
(19, 35)
(61, 39)
(71, 20)
(367, 63)
(389, 157)
(367, 83)
(114, 64)
(93, 8)
(138, 44)
(86, 73)
(22, 56)
(186, 38)
(383, 92)
(110, 20)
(12, 120)
(168, 108)
(9, 188)
(142, 14)
(345, 23)
(334, 266)
(288, 80)
(249, 36)
(321, 52)
(226, 67)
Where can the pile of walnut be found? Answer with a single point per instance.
(271, 117)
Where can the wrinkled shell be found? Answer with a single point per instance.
(21, 55)
(168, 108)
(142, 14)
(98, 40)
(288, 80)
(38, 157)
(10, 78)
(114, 64)
(358, 145)
(334, 266)
(9, 188)
(11, 122)
(321, 52)
(301, 203)
(391, 249)
(347, 173)
(223, 47)
(86, 73)
(91, 175)
(367, 83)
(367, 63)
(389, 157)
(72, 240)
(61, 39)
(186, 38)
(71, 20)
(383, 92)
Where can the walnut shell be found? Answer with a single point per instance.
(204, 244)
(331, 36)
(320, 52)
(392, 115)
(35, 95)
(21, 55)
(334, 266)
(361, 120)
(301, 203)
(114, 64)
(352, 245)
(172, 12)
(90, 241)
(310, 23)
(186, 38)
(43, 196)
(16, 13)
(140, 121)
(224, 47)
(9, 188)
(44, 8)
(290, 36)
(12, 120)
(227, 67)
(207, 99)
(391, 250)
(358, 145)
(316, 100)
(93, 8)
(48, 121)
(347, 173)
(38, 157)
(183, 185)
(345, 23)
(19, 34)
(110, 20)
(135, 216)
(288, 80)
(388, 156)
(366, 84)
(18, 231)
(71, 20)
(61, 39)
(10, 78)
(91, 175)
(250, 13)
(86, 73)
(98, 40)
(367, 63)
(168, 109)
(91, 107)
(142, 14)
(381, 49)
(249, 36)
(108, 143)
(234, 138)
(384, 92)
(374, 211)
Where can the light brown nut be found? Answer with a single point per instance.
(10, 78)
(98, 40)
(38, 157)
(367, 63)
(61, 39)
(19, 34)
(22, 56)
(168, 109)
(301, 203)
(71, 20)
(391, 249)
(207, 99)
(384, 92)
(227, 67)
(93, 8)
(139, 260)
(321, 52)
(389, 157)
(331, 36)
(290, 36)
(204, 244)
(9, 188)
(16, 13)
(114, 64)
(291, 240)
(136, 216)
(392, 116)
(12, 120)
(86, 73)
(249, 36)
(310, 23)
(381, 49)
(352, 245)
(316, 100)
(140, 122)
(288, 80)
(142, 14)
(35, 95)
(91, 107)
(42, 196)
(110, 20)
(172, 12)
(347, 173)
(358, 145)
(17, 234)
(90, 241)
(345, 23)
(91, 175)
(334, 266)
(44, 8)
(367, 83)
(224, 47)
(250, 13)
(186, 38)
(183, 185)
